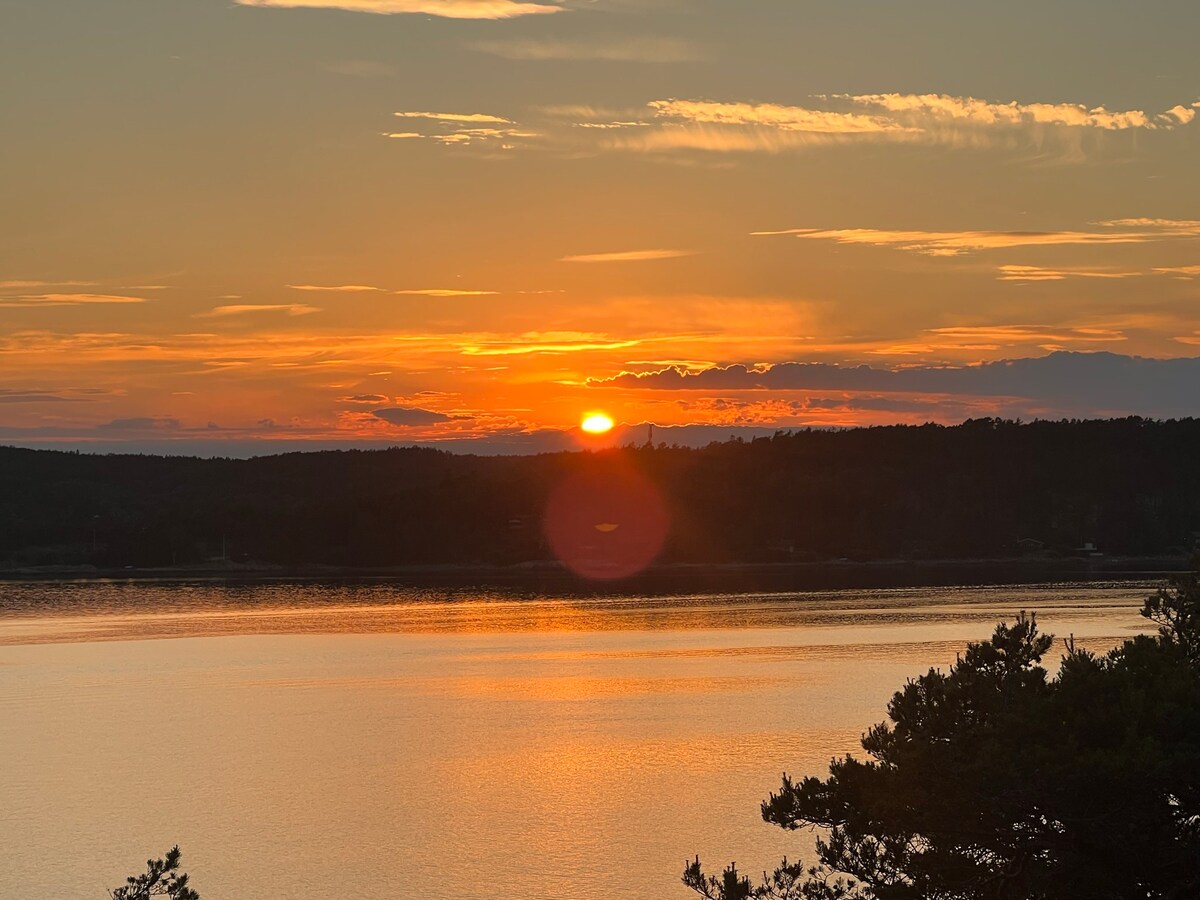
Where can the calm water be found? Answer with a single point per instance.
(373, 742)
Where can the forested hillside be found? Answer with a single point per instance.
(1128, 486)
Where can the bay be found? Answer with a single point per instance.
(301, 739)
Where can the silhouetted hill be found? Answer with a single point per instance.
(1129, 486)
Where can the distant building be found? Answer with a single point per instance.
(1028, 545)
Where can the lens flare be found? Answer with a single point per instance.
(607, 522)
(596, 423)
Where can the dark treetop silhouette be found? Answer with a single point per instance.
(996, 782)
(1129, 486)
(162, 878)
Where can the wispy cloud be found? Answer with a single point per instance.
(472, 118)
(546, 342)
(1008, 335)
(1038, 273)
(623, 48)
(142, 423)
(772, 115)
(970, 110)
(1174, 224)
(466, 136)
(342, 288)
(59, 395)
(445, 292)
(19, 284)
(627, 256)
(459, 129)
(410, 292)
(1184, 271)
(954, 243)
(40, 301)
(1064, 130)
(292, 309)
(447, 9)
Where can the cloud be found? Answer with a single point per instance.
(142, 423)
(946, 108)
(408, 292)
(364, 398)
(1185, 224)
(292, 309)
(834, 119)
(447, 9)
(411, 416)
(1037, 273)
(627, 256)
(465, 129)
(1049, 130)
(641, 48)
(445, 292)
(469, 118)
(1187, 271)
(545, 342)
(954, 243)
(64, 395)
(34, 301)
(772, 115)
(19, 284)
(342, 288)
(1098, 383)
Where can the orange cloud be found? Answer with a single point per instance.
(773, 115)
(292, 309)
(953, 243)
(447, 9)
(342, 288)
(445, 292)
(19, 284)
(1038, 273)
(35, 301)
(943, 107)
(627, 256)
(472, 118)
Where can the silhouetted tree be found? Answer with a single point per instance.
(161, 879)
(996, 782)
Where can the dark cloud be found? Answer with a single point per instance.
(69, 395)
(411, 415)
(1073, 383)
(34, 397)
(141, 423)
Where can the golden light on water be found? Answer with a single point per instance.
(596, 423)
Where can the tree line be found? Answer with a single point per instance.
(986, 488)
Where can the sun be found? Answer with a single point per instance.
(596, 423)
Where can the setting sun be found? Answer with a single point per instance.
(596, 423)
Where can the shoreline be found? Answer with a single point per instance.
(666, 578)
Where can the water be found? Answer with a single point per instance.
(367, 741)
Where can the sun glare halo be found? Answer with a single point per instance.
(596, 423)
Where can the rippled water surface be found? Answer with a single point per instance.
(370, 741)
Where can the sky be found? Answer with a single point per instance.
(238, 226)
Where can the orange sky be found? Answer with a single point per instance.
(407, 220)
